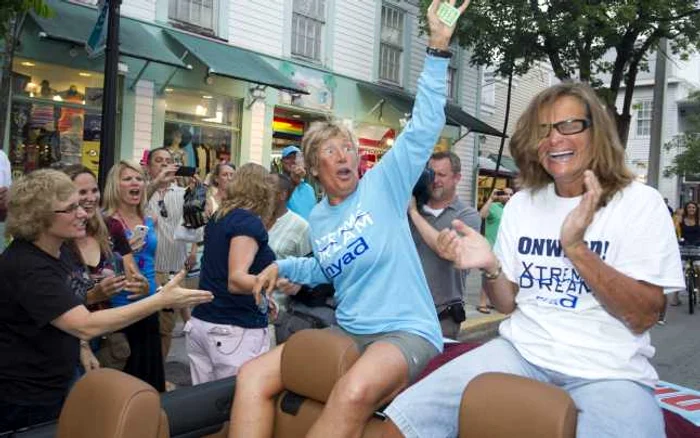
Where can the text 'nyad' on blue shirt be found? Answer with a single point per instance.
(364, 246)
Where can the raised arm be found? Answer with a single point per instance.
(400, 168)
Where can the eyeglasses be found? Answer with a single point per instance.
(71, 209)
(163, 210)
(330, 150)
(565, 127)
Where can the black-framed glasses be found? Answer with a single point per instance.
(163, 210)
(71, 209)
(565, 127)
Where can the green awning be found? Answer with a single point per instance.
(226, 60)
(507, 162)
(403, 102)
(72, 24)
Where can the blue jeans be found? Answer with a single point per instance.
(607, 408)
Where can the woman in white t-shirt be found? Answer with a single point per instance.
(583, 259)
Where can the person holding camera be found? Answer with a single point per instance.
(446, 283)
(166, 204)
(491, 213)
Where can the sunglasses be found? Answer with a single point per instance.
(163, 210)
(565, 127)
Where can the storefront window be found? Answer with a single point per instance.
(201, 129)
(55, 116)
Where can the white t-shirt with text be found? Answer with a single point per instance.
(558, 323)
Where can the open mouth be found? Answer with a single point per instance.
(344, 173)
(560, 155)
(135, 192)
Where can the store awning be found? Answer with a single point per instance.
(403, 102)
(457, 116)
(488, 164)
(507, 163)
(71, 23)
(226, 60)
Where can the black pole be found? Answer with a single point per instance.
(505, 127)
(109, 94)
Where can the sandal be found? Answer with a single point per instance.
(483, 309)
(675, 303)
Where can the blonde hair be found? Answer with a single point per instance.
(95, 226)
(30, 211)
(607, 156)
(111, 199)
(252, 188)
(320, 132)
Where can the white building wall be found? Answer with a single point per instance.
(139, 9)
(143, 118)
(354, 27)
(524, 89)
(257, 25)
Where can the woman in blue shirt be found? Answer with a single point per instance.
(362, 244)
(232, 329)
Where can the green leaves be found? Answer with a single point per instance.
(603, 42)
(11, 9)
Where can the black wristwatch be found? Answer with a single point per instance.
(439, 53)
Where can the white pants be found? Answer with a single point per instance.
(217, 351)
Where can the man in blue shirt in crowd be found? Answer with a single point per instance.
(303, 197)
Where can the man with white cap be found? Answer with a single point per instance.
(303, 197)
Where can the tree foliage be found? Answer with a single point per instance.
(687, 145)
(12, 13)
(603, 42)
(10, 9)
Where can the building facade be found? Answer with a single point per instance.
(230, 80)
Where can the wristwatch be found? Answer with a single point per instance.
(439, 53)
(492, 275)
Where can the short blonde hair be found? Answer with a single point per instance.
(252, 188)
(111, 198)
(320, 132)
(607, 154)
(32, 200)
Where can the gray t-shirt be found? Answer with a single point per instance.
(446, 283)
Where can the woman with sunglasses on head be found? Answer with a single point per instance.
(42, 295)
(125, 209)
(583, 258)
(98, 252)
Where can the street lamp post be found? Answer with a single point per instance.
(109, 97)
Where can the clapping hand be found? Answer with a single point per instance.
(465, 247)
(578, 220)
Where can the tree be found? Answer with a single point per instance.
(687, 160)
(12, 13)
(575, 36)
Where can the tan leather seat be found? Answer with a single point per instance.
(312, 362)
(107, 403)
(496, 405)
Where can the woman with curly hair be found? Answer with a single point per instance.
(232, 329)
(42, 312)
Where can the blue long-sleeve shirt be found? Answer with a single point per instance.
(364, 246)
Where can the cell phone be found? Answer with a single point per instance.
(140, 231)
(185, 171)
(448, 14)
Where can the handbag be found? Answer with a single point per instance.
(114, 351)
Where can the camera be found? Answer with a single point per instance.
(421, 191)
(500, 193)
